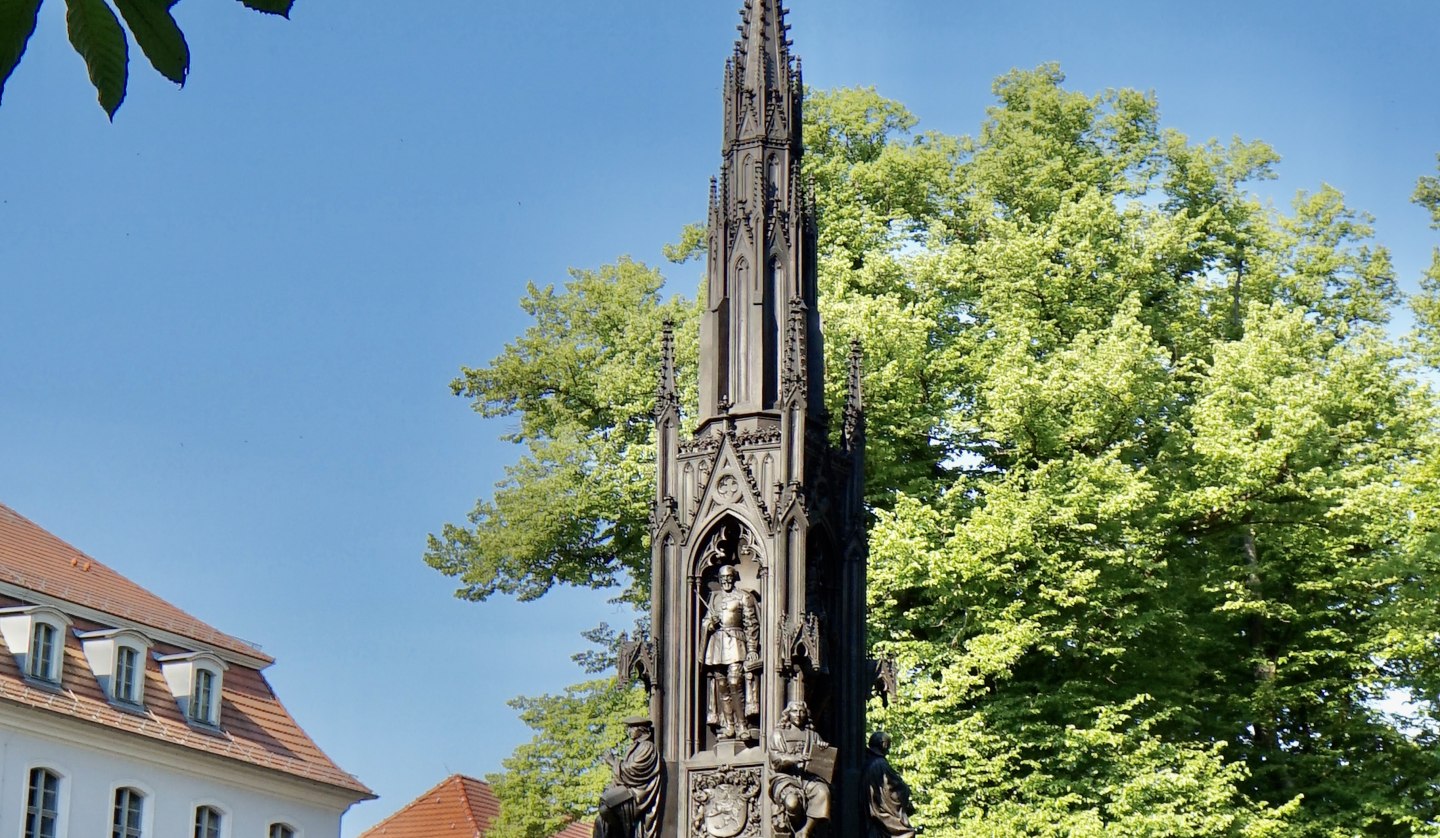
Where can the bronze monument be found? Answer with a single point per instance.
(757, 670)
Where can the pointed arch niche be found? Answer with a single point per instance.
(727, 542)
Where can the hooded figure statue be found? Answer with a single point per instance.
(630, 805)
(886, 794)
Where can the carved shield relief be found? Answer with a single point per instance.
(725, 803)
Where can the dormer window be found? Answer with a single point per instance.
(117, 657)
(41, 665)
(195, 680)
(36, 636)
(127, 674)
(202, 697)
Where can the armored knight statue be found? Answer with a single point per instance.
(630, 805)
(887, 794)
(803, 764)
(732, 656)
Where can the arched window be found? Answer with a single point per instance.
(280, 830)
(207, 822)
(129, 809)
(42, 804)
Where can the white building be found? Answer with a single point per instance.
(123, 716)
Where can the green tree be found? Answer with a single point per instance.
(1154, 492)
(1426, 304)
(581, 382)
(96, 34)
(557, 777)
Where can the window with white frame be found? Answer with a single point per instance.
(129, 812)
(202, 697)
(280, 830)
(128, 670)
(42, 804)
(36, 637)
(195, 679)
(117, 657)
(45, 645)
(207, 822)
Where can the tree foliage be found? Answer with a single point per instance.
(96, 34)
(581, 383)
(556, 779)
(1155, 493)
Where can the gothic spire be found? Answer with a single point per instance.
(761, 258)
(762, 79)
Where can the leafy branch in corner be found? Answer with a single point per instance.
(96, 33)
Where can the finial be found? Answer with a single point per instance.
(666, 400)
(796, 373)
(854, 430)
(857, 358)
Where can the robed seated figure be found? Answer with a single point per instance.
(803, 764)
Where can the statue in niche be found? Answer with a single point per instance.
(732, 656)
(803, 766)
(630, 805)
(886, 794)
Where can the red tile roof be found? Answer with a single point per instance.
(35, 560)
(576, 829)
(460, 807)
(255, 727)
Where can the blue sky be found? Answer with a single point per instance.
(228, 320)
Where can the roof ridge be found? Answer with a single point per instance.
(110, 603)
(456, 779)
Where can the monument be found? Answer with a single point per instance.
(756, 665)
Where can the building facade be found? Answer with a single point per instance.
(123, 716)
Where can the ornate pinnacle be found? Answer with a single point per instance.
(797, 186)
(854, 431)
(796, 374)
(666, 400)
